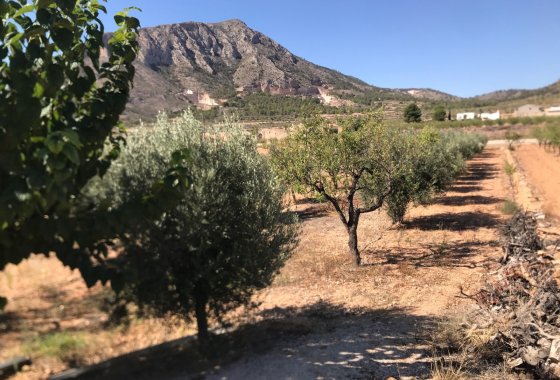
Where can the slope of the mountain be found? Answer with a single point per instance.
(430, 94)
(204, 64)
(509, 100)
(547, 93)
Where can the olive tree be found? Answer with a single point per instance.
(227, 237)
(355, 170)
(439, 157)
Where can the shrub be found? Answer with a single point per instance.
(439, 113)
(226, 239)
(509, 207)
(512, 138)
(412, 113)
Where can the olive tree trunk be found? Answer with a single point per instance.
(353, 243)
(200, 303)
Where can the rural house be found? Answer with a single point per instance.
(553, 111)
(490, 116)
(465, 116)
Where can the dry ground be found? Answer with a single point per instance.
(541, 170)
(322, 317)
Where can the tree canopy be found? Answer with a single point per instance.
(363, 164)
(59, 115)
(412, 113)
(363, 160)
(227, 237)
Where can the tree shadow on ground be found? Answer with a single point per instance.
(465, 188)
(479, 171)
(461, 221)
(321, 340)
(312, 211)
(308, 200)
(9, 321)
(444, 254)
(52, 315)
(466, 200)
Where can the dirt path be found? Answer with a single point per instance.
(372, 318)
(541, 169)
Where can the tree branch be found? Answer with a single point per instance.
(377, 204)
(321, 189)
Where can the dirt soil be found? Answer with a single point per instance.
(325, 318)
(541, 169)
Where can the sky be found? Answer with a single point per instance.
(462, 47)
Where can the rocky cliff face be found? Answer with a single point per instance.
(181, 64)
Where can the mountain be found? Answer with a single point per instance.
(208, 63)
(509, 100)
(548, 94)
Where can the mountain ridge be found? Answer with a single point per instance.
(205, 64)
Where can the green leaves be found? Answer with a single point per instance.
(56, 121)
(40, 4)
(412, 113)
(55, 143)
(365, 159)
(25, 9)
(222, 230)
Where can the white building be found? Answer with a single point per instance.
(490, 116)
(553, 111)
(465, 116)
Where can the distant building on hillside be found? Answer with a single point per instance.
(490, 116)
(465, 116)
(552, 111)
(528, 110)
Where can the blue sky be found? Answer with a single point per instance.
(463, 47)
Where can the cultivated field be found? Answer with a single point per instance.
(322, 317)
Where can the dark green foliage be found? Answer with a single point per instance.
(439, 157)
(59, 128)
(227, 237)
(439, 113)
(412, 113)
(59, 116)
(210, 115)
(273, 106)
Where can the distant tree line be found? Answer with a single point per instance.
(264, 104)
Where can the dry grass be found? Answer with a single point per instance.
(463, 348)
(441, 370)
